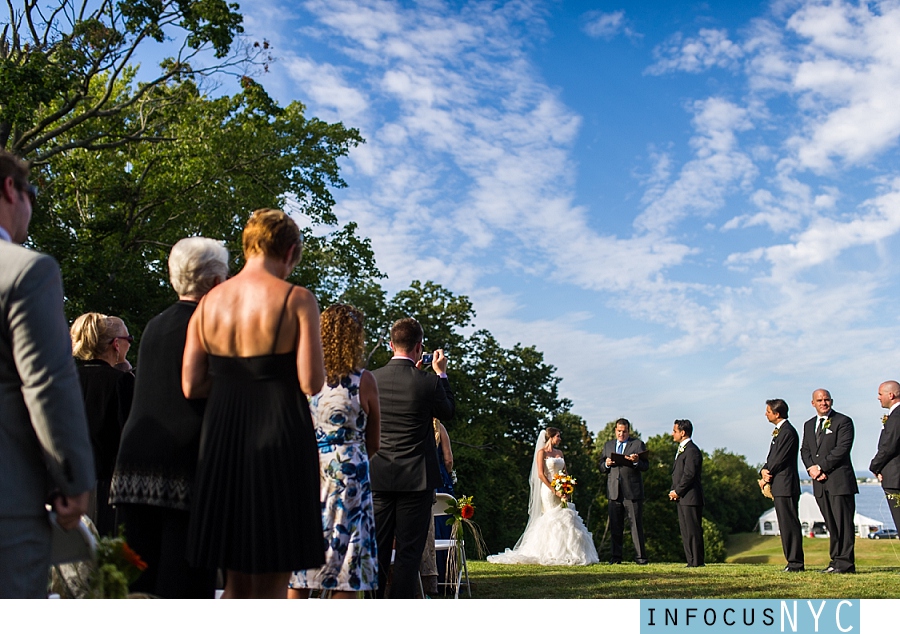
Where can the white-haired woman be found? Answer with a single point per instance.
(99, 343)
(151, 486)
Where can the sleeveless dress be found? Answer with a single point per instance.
(558, 537)
(348, 518)
(255, 506)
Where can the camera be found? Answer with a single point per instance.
(427, 358)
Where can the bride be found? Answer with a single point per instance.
(555, 534)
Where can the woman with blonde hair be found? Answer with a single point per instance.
(347, 418)
(253, 349)
(99, 343)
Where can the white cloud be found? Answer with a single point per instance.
(607, 25)
(710, 49)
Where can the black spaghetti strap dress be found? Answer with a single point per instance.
(255, 506)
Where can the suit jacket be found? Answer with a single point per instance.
(887, 459)
(626, 481)
(782, 462)
(686, 475)
(409, 398)
(44, 441)
(832, 455)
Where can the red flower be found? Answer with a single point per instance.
(133, 558)
(467, 511)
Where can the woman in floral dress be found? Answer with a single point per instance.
(347, 419)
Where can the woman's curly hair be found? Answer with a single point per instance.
(343, 341)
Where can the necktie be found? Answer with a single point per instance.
(620, 448)
(819, 427)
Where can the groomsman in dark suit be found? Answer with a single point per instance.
(783, 477)
(886, 463)
(625, 489)
(688, 492)
(825, 450)
(404, 472)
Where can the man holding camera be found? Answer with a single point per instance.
(405, 472)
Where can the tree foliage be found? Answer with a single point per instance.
(62, 64)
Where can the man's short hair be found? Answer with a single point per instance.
(686, 426)
(622, 421)
(12, 165)
(778, 406)
(406, 333)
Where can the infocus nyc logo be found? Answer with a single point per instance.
(751, 616)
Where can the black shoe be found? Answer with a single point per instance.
(613, 562)
(789, 569)
(831, 570)
(642, 562)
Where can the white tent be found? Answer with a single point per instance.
(812, 522)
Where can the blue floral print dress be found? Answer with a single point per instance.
(348, 521)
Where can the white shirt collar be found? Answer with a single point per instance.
(4, 235)
(400, 356)
(684, 442)
(780, 423)
(893, 407)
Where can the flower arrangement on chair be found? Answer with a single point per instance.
(460, 513)
(115, 567)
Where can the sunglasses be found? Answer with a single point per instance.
(29, 190)
(128, 338)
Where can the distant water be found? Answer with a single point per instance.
(870, 502)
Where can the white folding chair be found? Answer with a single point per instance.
(439, 509)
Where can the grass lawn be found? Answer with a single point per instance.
(752, 571)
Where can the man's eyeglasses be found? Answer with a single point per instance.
(128, 338)
(29, 190)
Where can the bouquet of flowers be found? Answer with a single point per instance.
(563, 483)
(115, 567)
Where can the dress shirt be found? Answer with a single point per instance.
(4, 235)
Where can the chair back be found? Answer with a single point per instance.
(441, 502)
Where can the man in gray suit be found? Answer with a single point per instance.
(44, 444)
(625, 490)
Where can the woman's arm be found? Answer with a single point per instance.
(310, 363)
(195, 382)
(540, 467)
(368, 399)
(445, 447)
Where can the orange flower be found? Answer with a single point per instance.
(467, 511)
(133, 558)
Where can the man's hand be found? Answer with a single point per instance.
(766, 475)
(439, 363)
(70, 509)
(633, 457)
(814, 472)
(878, 475)
(673, 495)
(609, 462)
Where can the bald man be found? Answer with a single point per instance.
(886, 463)
(825, 451)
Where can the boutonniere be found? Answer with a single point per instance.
(680, 450)
(775, 433)
(827, 426)
(884, 419)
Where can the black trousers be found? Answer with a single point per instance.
(401, 518)
(838, 511)
(690, 521)
(635, 511)
(789, 525)
(159, 536)
(894, 505)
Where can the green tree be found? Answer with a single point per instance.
(111, 216)
(62, 63)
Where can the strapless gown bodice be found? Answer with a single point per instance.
(558, 537)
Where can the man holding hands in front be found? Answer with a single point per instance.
(827, 441)
(781, 474)
(688, 492)
(625, 489)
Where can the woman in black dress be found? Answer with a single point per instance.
(99, 342)
(254, 349)
(151, 486)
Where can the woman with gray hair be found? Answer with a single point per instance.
(151, 486)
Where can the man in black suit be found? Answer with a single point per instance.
(783, 477)
(886, 463)
(404, 472)
(625, 489)
(688, 492)
(827, 441)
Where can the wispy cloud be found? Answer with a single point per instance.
(710, 48)
(607, 25)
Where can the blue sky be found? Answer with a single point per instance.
(689, 207)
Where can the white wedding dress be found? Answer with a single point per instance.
(555, 535)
